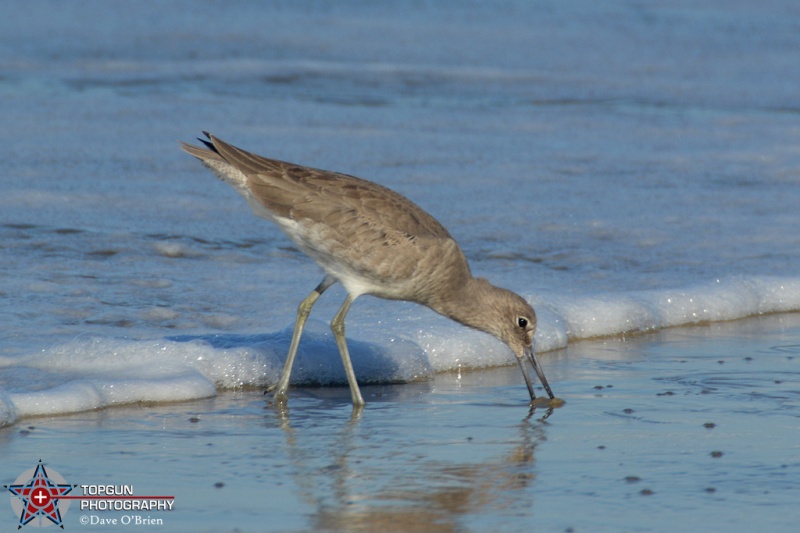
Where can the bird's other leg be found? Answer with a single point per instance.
(337, 325)
(303, 310)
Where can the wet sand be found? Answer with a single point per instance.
(696, 426)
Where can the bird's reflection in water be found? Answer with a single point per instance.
(414, 474)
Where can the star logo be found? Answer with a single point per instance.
(38, 492)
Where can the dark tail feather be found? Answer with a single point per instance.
(208, 144)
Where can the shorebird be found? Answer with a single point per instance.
(373, 241)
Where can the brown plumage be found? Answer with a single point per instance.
(374, 241)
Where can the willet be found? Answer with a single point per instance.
(374, 241)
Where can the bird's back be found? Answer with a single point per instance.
(369, 237)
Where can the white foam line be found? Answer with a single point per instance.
(93, 372)
(610, 314)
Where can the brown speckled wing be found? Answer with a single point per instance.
(297, 192)
(372, 231)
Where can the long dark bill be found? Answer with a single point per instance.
(531, 355)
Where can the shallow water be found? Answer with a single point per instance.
(697, 421)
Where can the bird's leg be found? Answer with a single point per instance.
(337, 325)
(303, 311)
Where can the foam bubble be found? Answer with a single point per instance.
(8, 413)
(174, 250)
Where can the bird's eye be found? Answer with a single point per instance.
(522, 322)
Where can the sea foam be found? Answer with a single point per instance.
(94, 372)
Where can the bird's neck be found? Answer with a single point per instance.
(471, 305)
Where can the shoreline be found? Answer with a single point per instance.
(671, 419)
